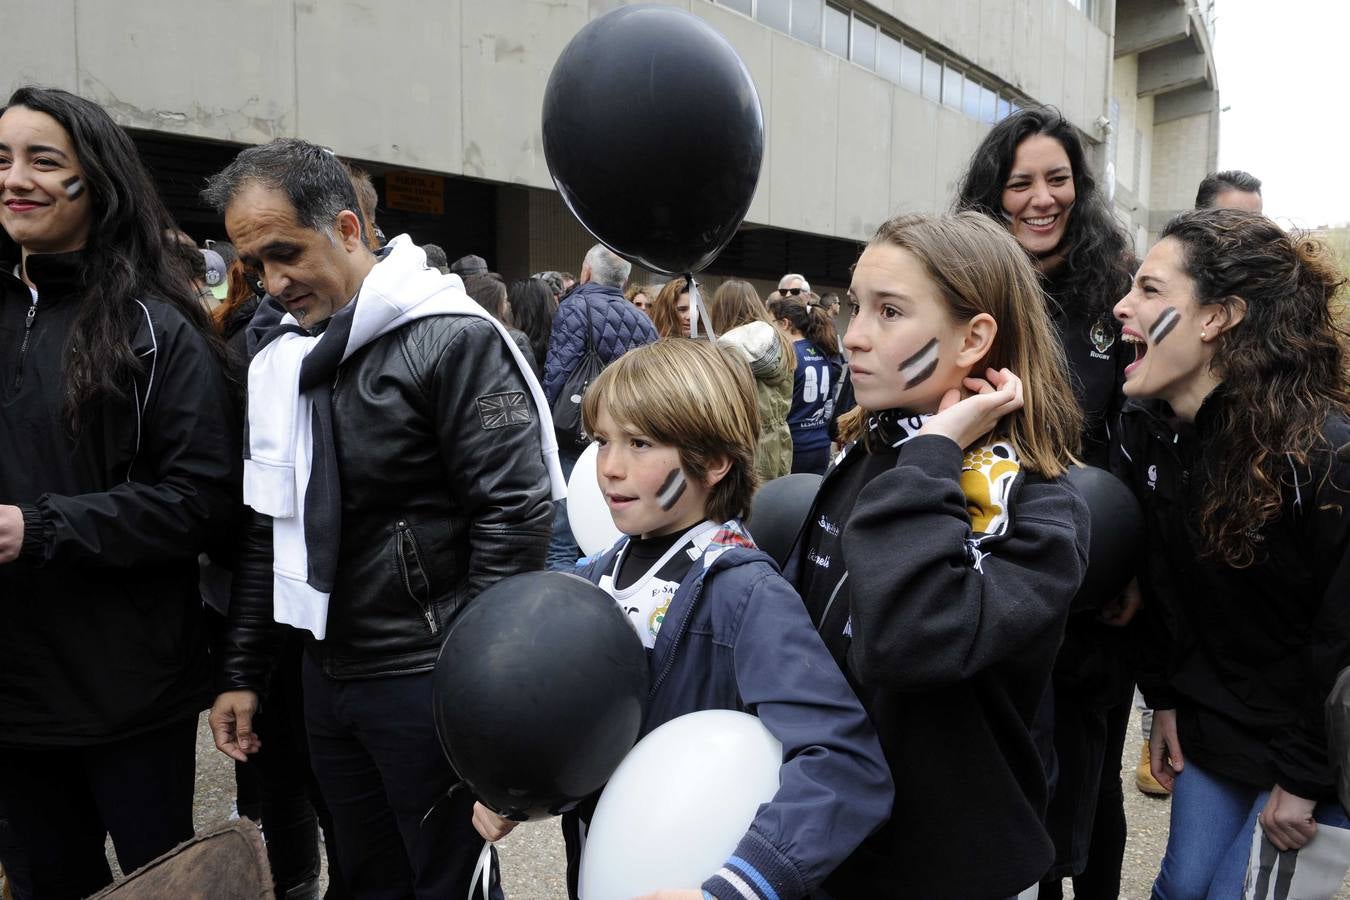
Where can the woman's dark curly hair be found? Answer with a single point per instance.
(1098, 263)
(126, 257)
(1283, 365)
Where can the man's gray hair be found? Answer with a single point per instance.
(311, 177)
(607, 267)
(786, 282)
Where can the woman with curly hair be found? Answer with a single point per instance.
(1030, 174)
(1238, 447)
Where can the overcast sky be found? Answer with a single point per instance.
(1284, 77)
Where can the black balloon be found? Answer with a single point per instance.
(1116, 536)
(779, 511)
(654, 135)
(539, 692)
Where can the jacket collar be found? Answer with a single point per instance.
(593, 289)
(1163, 421)
(56, 276)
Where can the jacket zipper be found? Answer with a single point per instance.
(427, 612)
(27, 337)
(684, 626)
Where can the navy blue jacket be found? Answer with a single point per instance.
(617, 326)
(737, 637)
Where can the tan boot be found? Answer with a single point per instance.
(1143, 776)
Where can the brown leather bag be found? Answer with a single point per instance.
(229, 863)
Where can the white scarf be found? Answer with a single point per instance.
(282, 422)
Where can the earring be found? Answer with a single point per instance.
(1202, 335)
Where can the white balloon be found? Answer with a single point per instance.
(587, 512)
(678, 805)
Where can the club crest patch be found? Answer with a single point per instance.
(1102, 335)
(504, 410)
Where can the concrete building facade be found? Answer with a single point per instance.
(871, 108)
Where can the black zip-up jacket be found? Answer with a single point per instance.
(1245, 656)
(943, 596)
(101, 628)
(441, 497)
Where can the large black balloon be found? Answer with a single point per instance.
(1116, 536)
(539, 692)
(779, 511)
(654, 136)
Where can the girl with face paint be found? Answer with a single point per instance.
(943, 549)
(120, 466)
(1238, 447)
(1031, 175)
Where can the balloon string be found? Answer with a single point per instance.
(482, 869)
(697, 311)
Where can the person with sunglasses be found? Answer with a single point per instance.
(790, 285)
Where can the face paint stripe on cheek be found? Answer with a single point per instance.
(672, 489)
(1163, 325)
(921, 365)
(74, 186)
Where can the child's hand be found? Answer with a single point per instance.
(490, 825)
(673, 895)
(965, 421)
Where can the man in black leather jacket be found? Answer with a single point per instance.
(433, 445)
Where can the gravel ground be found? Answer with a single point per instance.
(533, 861)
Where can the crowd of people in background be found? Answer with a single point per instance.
(952, 708)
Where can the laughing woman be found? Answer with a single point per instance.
(1030, 173)
(1239, 449)
(117, 466)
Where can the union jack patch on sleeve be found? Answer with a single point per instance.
(503, 410)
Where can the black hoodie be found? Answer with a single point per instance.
(101, 628)
(942, 593)
(1245, 656)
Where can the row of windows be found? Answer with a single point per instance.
(853, 37)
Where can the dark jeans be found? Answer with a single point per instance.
(1098, 875)
(63, 802)
(812, 461)
(277, 788)
(385, 779)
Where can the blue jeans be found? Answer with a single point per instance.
(563, 551)
(1210, 836)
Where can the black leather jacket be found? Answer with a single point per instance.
(442, 495)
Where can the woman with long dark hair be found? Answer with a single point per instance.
(814, 379)
(120, 454)
(532, 310)
(1030, 173)
(1238, 447)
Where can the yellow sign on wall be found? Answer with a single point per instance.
(415, 192)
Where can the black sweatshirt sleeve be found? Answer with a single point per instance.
(1150, 638)
(929, 609)
(1299, 754)
(181, 494)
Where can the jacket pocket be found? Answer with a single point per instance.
(414, 574)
